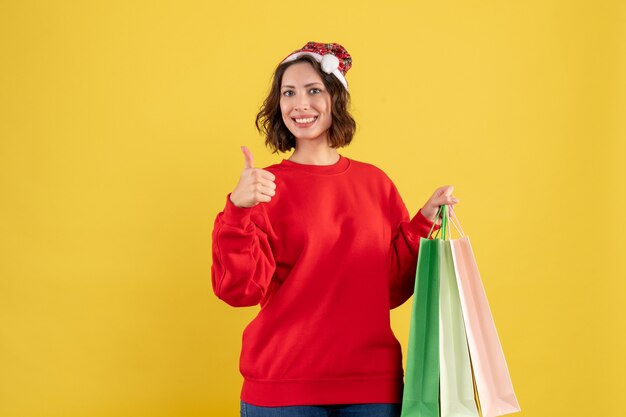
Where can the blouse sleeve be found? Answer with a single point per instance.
(405, 239)
(243, 263)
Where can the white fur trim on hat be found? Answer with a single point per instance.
(329, 63)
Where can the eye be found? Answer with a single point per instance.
(316, 89)
(287, 91)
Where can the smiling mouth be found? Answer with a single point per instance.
(305, 122)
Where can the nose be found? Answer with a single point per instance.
(302, 101)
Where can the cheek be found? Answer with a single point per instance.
(327, 105)
(285, 102)
(322, 104)
(284, 110)
(327, 109)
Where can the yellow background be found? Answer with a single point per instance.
(120, 127)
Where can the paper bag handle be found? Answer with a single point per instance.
(444, 212)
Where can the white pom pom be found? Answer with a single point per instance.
(329, 63)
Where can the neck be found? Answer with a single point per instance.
(314, 153)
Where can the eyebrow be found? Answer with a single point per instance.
(307, 85)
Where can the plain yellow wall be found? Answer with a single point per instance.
(120, 127)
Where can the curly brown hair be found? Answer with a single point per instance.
(269, 120)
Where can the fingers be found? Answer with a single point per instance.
(267, 184)
(262, 193)
(444, 196)
(441, 197)
(263, 184)
(265, 190)
(445, 190)
(248, 159)
(258, 174)
(266, 174)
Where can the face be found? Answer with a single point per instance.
(305, 103)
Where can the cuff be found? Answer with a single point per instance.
(236, 216)
(420, 225)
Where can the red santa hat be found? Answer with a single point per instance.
(333, 58)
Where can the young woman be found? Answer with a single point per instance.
(326, 246)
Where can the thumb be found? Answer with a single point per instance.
(249, 160)
(446, 197)
(446, 190)
(443, 195)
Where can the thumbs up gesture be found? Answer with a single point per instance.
(255, 185)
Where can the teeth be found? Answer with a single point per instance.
(309, 120)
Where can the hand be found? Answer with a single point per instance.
(255, 185)
(442, 195)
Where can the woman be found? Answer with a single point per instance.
(325, 245)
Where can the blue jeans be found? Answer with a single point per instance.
(333, 410)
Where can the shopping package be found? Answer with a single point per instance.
(457, 397)
(421, 383)
(491, 374)
(450, 369)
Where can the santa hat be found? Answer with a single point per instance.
(333, 58)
